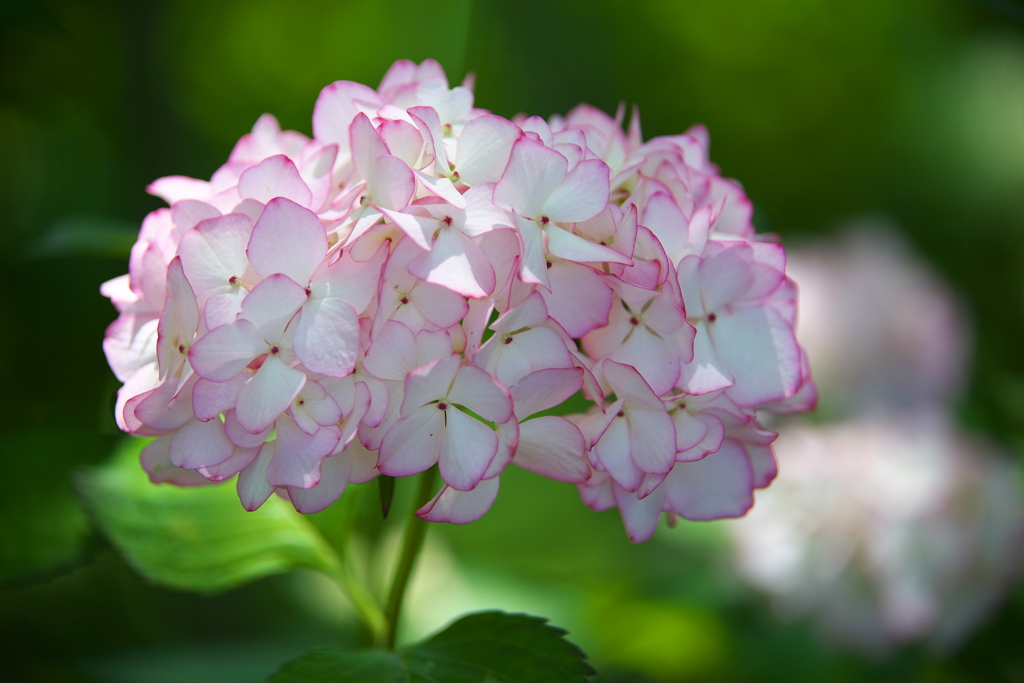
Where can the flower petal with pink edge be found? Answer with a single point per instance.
(552, 447)
(336, 107)
(461, 507)
(392, 183)
(156, 461)
(200, 444)
(287, 239)
(213, 252)
(268, 394)
(333, 480)
(275, 176)
(761, 352)
(720, 485)
(413, 444)
(298, 454)
(252, 485)
(484, 149)
(533, 174)
(582, 194)
(224, 352)
(239, 460)
(479, 392)
(545, 389)
(456, 262)
(469, 447)
(327, 337)
(640, 516)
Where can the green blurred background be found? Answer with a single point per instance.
(826, 110)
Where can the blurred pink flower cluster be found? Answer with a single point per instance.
(887, 526)
(424, 283)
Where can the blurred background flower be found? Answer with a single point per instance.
(912, 109)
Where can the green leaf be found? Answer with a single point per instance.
(488, 647)
(197, 539)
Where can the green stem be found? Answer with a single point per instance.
(415, 532)
(369, 609)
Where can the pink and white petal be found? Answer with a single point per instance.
(275, 176)
(482, 216)
(336, 107)
(441, 306)
(612, 453)
(289, 239)
(481, 393)
(156, 461)
(200, 444)
(367, 145)
(222, 353)
(544, 347)
(392, 183)
(485, 145)
(223, 309)
(417, 228)
(142, 380)
(469, 447)
(552, 447)
(392, 351)
(461, 507)
(705, 373)
(351, 280)
(507, 362)
(164, 409)
(725, 274)
(188, 213)
(239, 460)
(178, 322)
(718, 486)
(456, 262)
(362, 466)
(597, 492)
(252, 486)
(268, 394)
(298, 454)
(239, 436)
(761, 352)
(333, 480)
(327, 337)
(413, 444)
(175, 188)
(534, 266)
(582, 194)
(654, 359)
(533, 173)
(403, 140)
(210, 399)
(545, 389)
(214, 251)
(579, 299)
(427, 120)
(690, 432)
(323, 408)
(663, 217)
(762, 463)
(441, 187)
(630, 384)
(652, 439)
(272, 304)
(129, 344)
(429, 383)
(639, 515)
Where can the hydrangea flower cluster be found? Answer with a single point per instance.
(423, 282)
(888, 526)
